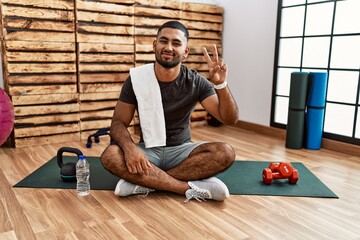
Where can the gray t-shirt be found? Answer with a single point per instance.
(179, 99)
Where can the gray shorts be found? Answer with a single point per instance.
(168, 157)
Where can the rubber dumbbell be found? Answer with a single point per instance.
(280, 171)
(285, 169)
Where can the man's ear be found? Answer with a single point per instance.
(187, 51)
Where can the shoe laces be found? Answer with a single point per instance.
(144, 191)
(197, 193)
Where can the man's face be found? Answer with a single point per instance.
(170, 47)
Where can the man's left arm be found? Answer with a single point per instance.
(221, 105)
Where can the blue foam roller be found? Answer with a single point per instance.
(318, 81)
(314, 130)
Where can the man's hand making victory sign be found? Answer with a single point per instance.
(217, 68)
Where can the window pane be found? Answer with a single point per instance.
(292, 21)
(357, 130)
(346, 52)
(283, 80)
(342, 86)
(292, 2)
(339, 119)
(316, 52)
(347, 17)
(319, 19)
(281, 109)
(290, 52)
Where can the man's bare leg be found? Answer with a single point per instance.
(204, 161)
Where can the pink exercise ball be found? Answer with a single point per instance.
(6, 116)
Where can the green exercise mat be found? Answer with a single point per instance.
(296, 116)
(242, 178)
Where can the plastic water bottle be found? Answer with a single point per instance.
(82, 176)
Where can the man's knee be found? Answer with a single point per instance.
(109, 153)
(228, 153)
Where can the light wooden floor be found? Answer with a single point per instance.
(27, 213)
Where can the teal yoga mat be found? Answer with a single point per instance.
(242, 178)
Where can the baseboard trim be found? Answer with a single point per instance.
(281, 133)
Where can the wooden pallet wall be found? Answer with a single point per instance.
(40, 69)
(204, 23)
(65, 60)
(105, 37)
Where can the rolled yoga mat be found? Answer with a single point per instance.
(316, 110)
(296, 116)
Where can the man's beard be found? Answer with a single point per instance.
(167, 64)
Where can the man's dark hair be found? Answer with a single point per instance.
(175, 25)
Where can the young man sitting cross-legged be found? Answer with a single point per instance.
(165, 94)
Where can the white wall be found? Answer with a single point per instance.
(248, 49)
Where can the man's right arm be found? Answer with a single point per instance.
(134, 158)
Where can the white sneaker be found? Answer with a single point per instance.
(124, 188)
(210, 188)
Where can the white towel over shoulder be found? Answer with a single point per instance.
(151, 111)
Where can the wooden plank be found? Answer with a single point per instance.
(40, 57)
(40, 36)
(130, 2)
(94, 17)
(107, 114)
(204, 42)
(36, 79)
(203, 25)
(106, 48)
(98, 38)
(144, 48)
(97, 124)
(144, 40)
(159, 13)
(146, 31)
(101, 105)
(205, 34)
(99, 96)
(56, 4)
(41, 67)
(46, 109)
(142, 21)
(46, 130)
(100, 87)
(84, 67)
(195, 59)
(33, 24)
(36, 141)
(106, 77)
(37, 13)
(116, 58)
(141, 57)
(160, 3)
(104, 7)
(40, 46)
(45, 99)
(108, 29)
(49, 89)
(196, 16)
(206, 8)
(49, 119)
(198, 49)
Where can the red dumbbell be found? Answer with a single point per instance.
(280, 171)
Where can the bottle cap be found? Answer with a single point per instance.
(82, 157)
